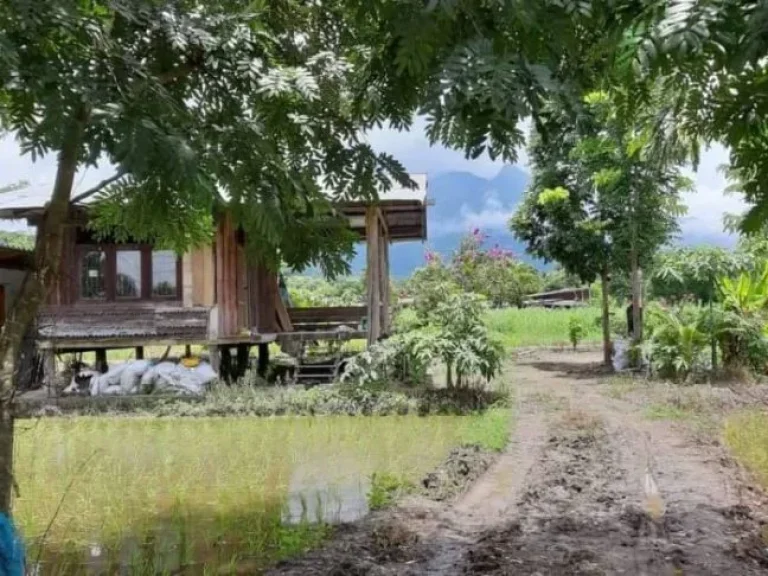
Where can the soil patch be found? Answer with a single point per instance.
(399, 540)
(380, 545)
(459, 470)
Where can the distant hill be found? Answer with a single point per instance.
(20, 240)
(462, 201)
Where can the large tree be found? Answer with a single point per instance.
(600, 199)
(261, 105)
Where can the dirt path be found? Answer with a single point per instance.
(586, 487)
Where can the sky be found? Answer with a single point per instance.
(706, 204)
(703, 222)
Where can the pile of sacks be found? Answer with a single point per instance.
(143, 377)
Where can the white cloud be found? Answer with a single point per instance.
(708, 204)
(414, 151)
(492, 218)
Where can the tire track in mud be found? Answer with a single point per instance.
(492, 500)
(615, 494)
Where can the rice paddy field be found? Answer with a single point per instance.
(98, 494)
(520, 327)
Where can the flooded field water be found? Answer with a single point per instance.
(153, 496)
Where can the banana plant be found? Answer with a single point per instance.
(746, 295)
(741, 330)
(676, 346)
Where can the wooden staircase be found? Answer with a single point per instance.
(318, 372)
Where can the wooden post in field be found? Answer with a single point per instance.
(384, 275)
(372, 230)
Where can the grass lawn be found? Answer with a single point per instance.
(746, 434)
(518, 327)
(213, 490)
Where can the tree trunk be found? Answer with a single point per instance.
(449, 374)
(606, 318)
(33, 293)
(637, 299)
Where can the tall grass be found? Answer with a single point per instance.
(746, 434)
(223, 484)
(517, 327)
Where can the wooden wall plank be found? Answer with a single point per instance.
(263, 290)
(243, 316)
(226, 279)
(188, 279)
(385, 295)
(281, 312)
(203, 276)
(372, 227)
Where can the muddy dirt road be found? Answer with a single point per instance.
(588, 486)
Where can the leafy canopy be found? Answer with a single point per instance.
(710, 58)
(200, 106)
(602, 184)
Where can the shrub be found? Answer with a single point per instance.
(461, 339)
(454, 333)
(576, 331)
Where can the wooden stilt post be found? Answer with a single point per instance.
(243, 353)
(101, 360)
(139, 352)
(384, 279)
(187, 351)
(263, 365)
(225, 369)
(49, 371)
(214, 357)
(372, 228)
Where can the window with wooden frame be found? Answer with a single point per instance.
(126, 272)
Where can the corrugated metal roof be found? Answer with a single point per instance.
(115, 321)
(36, 196)
(418, 194)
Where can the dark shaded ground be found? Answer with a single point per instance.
(587, 487)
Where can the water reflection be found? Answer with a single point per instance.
(190, 546)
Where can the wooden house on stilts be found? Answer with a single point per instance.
(113, 295)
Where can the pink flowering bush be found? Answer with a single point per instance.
(492, 271)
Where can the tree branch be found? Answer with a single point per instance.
(99, 187)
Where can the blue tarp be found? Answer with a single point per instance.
(11, 549)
